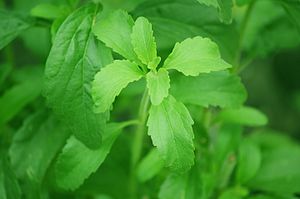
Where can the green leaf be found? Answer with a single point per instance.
(35, 145)
(73, 61)
(77, 162)
(46, 11)
(158, 84)
(9, 186)
(170, 127)
(150, 166)
(11, 26)
(279, 172)
(17, 97)
(115, 30)
(214, 89)
(110, 81)
(143, 41)
(186, 186)
(249, 161)
(194, 56)
(245, 116)
(234, 193)
(292, 7)
(224, 7)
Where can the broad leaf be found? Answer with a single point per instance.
(110, 81)
(77, 162)
(143, 41)
(224, 7)
(249, 161)
(170, 127)
(73, 61)
(149, 166)
(194, 56)
(245, 116)
(11, 26)
(158, 84)
(115, 30)
(213, 89)
(35, 145)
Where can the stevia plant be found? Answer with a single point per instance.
(145, 99)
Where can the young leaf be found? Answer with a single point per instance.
(73, 61)
(46, 11)
(11, 26)
(35, 145)
(110, 81)
(158, 84)
(77, 162)
(150, 166)
(249, 160)
(244, 116)
(115, 31)
(215, 89)
(170, 127)
(143, 41)
(195, 56)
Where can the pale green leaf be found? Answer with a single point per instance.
(249, 160)
(158, 84)
(150, 166)
(115, 30)
(143, 41)
(213, 89)
(110, 81)
(194, 56)
(234, 193)
(46, 11)
(77, 162)
(186, 186)
(73, 61)
(11, 25)
(245, 116)
(170, 127)
(35, 145)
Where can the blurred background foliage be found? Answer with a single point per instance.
(270, 70)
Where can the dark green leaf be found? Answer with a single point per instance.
(73, 61)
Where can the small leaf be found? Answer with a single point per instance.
(11, 26)
(110, 81)
(149, 166)
(158, 84)
(115, 31)
(245, 116)
(77, 162)
(143, 41)
(195, 56)
(73, 61)
(249, 160)
(170, 127)
(213, 89)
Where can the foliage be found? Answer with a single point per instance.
(82, 84)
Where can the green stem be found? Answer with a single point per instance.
(243, 28)
(137, 145)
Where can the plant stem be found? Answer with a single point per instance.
(137, 145)
(243, 28)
